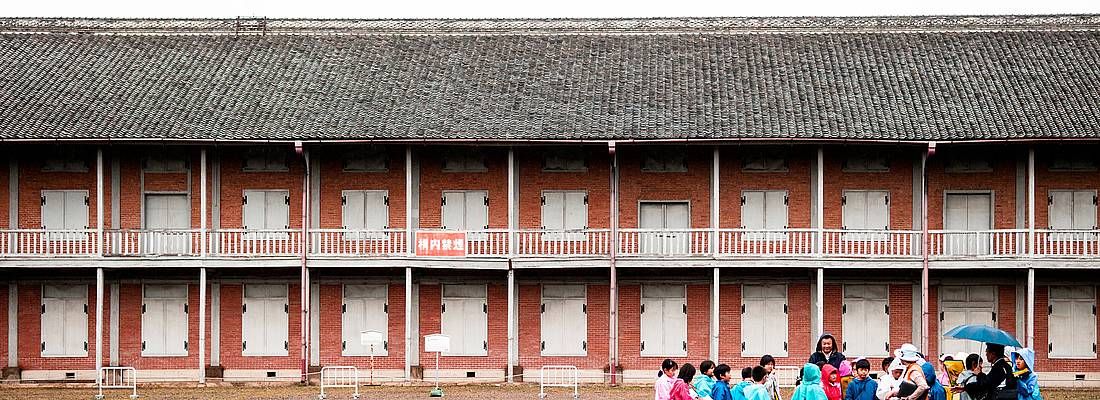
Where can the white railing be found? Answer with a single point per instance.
(1067, 243)
(255, 243)
(991, 243)
(117, 378)
(564, 243)
(787, 376)
(339, 377)
(775, 242)
(491, 242)
(349, 242)
(152, 242)
(871, 243)
(664, 242)
(51, 243)
(558, 376)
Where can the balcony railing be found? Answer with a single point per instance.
(48, 243)
(793, 243)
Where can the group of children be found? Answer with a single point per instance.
(715, 382)
(907, 376)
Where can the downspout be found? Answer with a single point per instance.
(1031, 247)
(613, 326)
(304, 273)
(924, 323)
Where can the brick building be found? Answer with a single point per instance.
(241, 199)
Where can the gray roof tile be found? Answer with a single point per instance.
(906, 79)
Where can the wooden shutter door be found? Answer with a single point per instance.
(1060, 210)
(76, 326)
(352, 210)
(855, 210)
(476, 327)
(775, 326)
(675, 332)
(254, 209)
(376, 212)
(175, 318)
(277, 210)
(352, 324)
(1060, 330)
(1084, 211)
(153, 328)
(576, 211)
(76, 211)
(252, 326)
(376, 319)
(53, 326)
(553, 327)
(454, 214)
(553, 211)
(53, 210)
(651, 328)
(753, 326)
(752, 210)
(955, 210)
(477, 212)
(450, 323)
(575, 327)
(878, 210)
(855, 326)
(277, 325)
(775, 210)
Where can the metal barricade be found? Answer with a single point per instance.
(787, 376)
(339, 377)
(117, 378)
(558, 376)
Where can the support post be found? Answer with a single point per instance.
(924, 286)
(410, 232)
(202, 205)
(715, 201)
(511, 323)
(715, 302)
(819, 304)
(303, 295)
(512, 225)
(613, 323)
(408, 323)
(98, 321)
(819, 204)
(1031, 308)
(202, 324)
(1030, 204)
(99, 208)
(13, 324)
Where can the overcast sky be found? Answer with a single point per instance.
(529, 8)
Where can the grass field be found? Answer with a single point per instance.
(493, 392)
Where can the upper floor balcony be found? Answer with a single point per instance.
(541, 243)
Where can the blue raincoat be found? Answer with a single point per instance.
(1027, 384)
(935, 389)
(810, 389)
(703, 385)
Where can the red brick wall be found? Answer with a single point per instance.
(698, 327)
(1042, 324)
(234, 181)
(30, 332)
(799, 327)
(32, 181)
(334, 180)
(331, 320)
(901, 316)
(533, 181)
(530, 329)
(1001, 181)
(1006, 308)
(130, 328)
(933, 321)
(497, 356)
(433, 182)
(232, 297)
(898, 181)
(796, 181)
(692, 186)
(1047, 180)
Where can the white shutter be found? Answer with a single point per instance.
(365, 310)
(553, 329)
(277, 211)
(855, 210)
(675, 332)
(1084, 210)
(464, 319)
(156, 211)
(454, 213)
(451, 323)
(76, 327)
(575, 326)
(53, 209)
(76, 211)
(53, 327)
(775, 327)
(956, 212)
(553, 210)
(951, 318)
(477, 212)
(1060, 210)
(855, 327)
(576, 210)
(175, 322)
(252, 327)
(775, 210)
(1085, 326)
(276, 326)
(153, 328)
(978, 212)
(1060, 332)
(476, 327)
(753, 322)
(352, 209)
(354, 314)
(651, 329)
(752, 210)
(1072, 316)
(376, 211)
(878, 210)
(253, 212)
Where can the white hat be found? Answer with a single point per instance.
(943, 357)
(909, 347)
(896, 366)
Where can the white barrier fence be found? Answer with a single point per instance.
(117, 378)
(787, 376)
(558, 376)
(339, 377)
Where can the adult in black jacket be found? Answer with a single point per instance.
(827, 352)
(1000, 370)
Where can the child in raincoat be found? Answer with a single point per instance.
(1027, 381)
(663, 386)
(845, 371)
(890, 382)
(738, 390)
(830, 382)
(862, 387)
(810, 388)
(681, 386)
(704, 381)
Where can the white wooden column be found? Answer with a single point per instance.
(511, 324)
(202, 324)
(511, 273)
(715, 221)
(202, 261)
(1031, 202)
(99, 203)
(98, 320)
(1031, 308)
(613, 322)
(409, 323)
(819, 304)
(13, 324)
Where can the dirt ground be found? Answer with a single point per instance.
(494, 392)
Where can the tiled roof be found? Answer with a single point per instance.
(903, 78)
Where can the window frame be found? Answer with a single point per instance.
(765, 156)
(270, 154)
(562, 153)
(863, 335)
(164, 329)
(664, 326)
(367, 152)
(666, 157)
(473, 160)
(344, 351)
(285, 328)
(583, 318)
(747, 351)
(1074, 332)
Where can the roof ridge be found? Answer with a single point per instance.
(808, 24)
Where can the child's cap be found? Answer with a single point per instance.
(896, 366)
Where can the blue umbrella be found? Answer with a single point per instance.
(982, 333)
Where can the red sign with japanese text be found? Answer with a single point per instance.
(440, 244)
